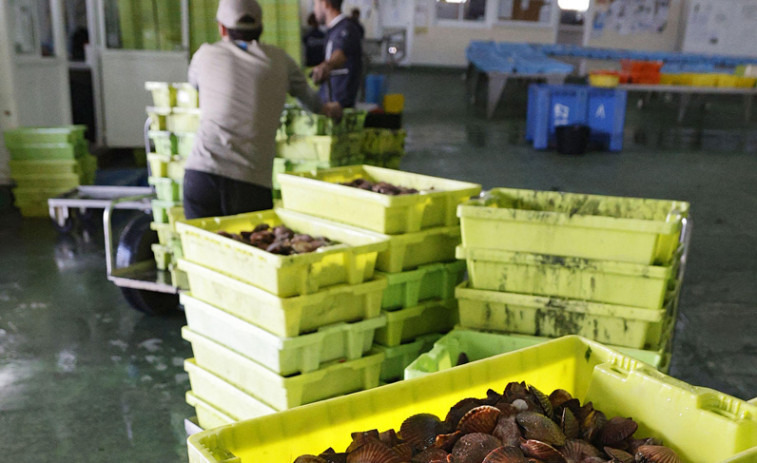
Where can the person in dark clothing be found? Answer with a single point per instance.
(356, 17)
(344, 55)
(315, 43)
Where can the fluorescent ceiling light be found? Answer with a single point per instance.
(579, 5)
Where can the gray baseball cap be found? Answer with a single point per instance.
(231, 11)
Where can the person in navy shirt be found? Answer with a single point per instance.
(344, 55)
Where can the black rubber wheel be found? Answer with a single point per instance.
(134, 245)
(69, 226)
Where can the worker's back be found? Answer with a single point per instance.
(242, 95)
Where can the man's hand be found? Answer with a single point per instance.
(321, 72)
(332, 110)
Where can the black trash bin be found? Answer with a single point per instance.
(572, 139)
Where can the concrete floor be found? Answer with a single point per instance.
(85, 378)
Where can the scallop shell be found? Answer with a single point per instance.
(429, 455)
(573, 405)
(634, 444)
(362, 438)
(310, 459)
(447, 441)
(542, 451)
(459, 410)
(656, 454)
(559, 397)
(506, 455)
(542, 400)
(507, 409)
(507, 431)
(619, 456)
(569, 424)
(480, 419)
(404, 451)
(575, 450)
(389, 437)
(473, 448)
(332, 457)
(539, 427)
(616, 430)
(515, 391)
(421, 430)
(492, 397)
(373, 452)
(592, 425)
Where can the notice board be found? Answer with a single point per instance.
(721, 27)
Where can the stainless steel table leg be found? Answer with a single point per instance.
(497, 82)
(685, 100)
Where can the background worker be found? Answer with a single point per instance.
(243, 85)
(314, 41)
(343, 51)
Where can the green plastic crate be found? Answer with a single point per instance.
(179, 278)
(208, 416)
(433, 281)
(48, 151)
(609, 282)
(38, 195)
(320, 194)
(163, 256)
(701, 425)
(224, 397)
(186, 96)
(158, 118)
(166, 233)
(304, 123)
(48, 181)
(185, 143)
(166, 166)
(69, 134)
(399, 357)
(430, 317)
(168, 189)
(410, 250)
(478, 345)
(642, 231)
(380, 142)
(350, 261)
(33, 208)
(290, 316)
(324, 148)
(66, 166)
(163, 94)
(542, 316)
(88, 166)
(184, 120)
(166, 143)
(285, 356)
(160, 210)
(279, 392)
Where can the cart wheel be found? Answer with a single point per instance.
(68, 226)
(134, 245)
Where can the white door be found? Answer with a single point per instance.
(136, 41)
(40, 64)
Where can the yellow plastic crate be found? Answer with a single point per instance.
(553, 317)
(702, 80)
(320, 194)
(350, 261)
(185, 142)
(433, 281)
(290, 316)
(35, 135)
(160, 209)
(33, 208)
(166, 233)
(381, 142)
(163, 94)
(224, 397)
(48, 181)
(727, 80)
(324, 148)
(164, 166)
(642, 231)
(184, 120)
(399, 357)
(285, 356)
(163, 256)
(603, 281)
(410, 250)
(604, 80)
(746, 82)
(158, 118)
(54, 167)
(208, 416)
(702, 425)
(186, 96)
(428, 317)
(179, 279)
(279, 392)
(478, 345)
(165, 142)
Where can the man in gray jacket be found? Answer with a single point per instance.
(243, 86)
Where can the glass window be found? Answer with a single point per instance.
(32, 26)
(539, 11)
(143, 24)
(461, 10)
(46, 35)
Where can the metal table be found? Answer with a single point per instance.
(688, 92)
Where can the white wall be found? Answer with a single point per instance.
(7, 101)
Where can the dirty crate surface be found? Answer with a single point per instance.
(320, 193)
(642, 231)
(351, 260)
(702, 425)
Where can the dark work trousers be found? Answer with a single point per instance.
(210, 195)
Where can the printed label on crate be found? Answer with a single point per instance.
(562, 114)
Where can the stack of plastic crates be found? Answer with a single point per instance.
(383, 147)
(270, 332)
(46, 162)
(549, 264)
(419, 265)
(174, 120)
(309, 142)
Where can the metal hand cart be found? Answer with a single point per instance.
(131, 265)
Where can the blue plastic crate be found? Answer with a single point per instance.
(551, 106)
